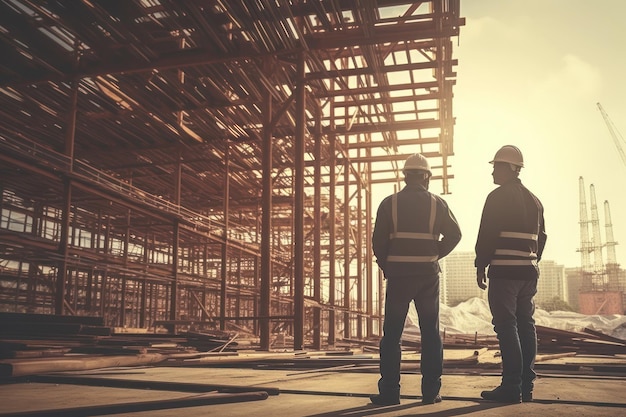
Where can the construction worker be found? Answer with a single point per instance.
(414, 229)
(510, 241)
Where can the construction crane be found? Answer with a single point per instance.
(617, 137)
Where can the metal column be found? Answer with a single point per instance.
(331, 244)
(174, 288)
(266, 225)
(359, 254)
(224, 266)
(298, 307)
(369, 285)
(59, 305)
(317, 231)
(347, 329)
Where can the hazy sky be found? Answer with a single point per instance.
(530, 74)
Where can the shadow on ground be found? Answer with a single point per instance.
(372, 410)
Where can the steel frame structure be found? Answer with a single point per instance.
(185, 161)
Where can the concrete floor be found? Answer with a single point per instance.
(313, 394)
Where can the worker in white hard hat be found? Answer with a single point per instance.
(511, 239)
(414, 229)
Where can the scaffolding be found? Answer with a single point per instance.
(181, 162)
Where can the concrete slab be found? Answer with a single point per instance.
(321, 394)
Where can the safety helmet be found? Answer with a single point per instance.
(416, 162)
(509, 154)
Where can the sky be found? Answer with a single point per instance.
(530, 74)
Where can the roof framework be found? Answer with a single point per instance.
(164, 161)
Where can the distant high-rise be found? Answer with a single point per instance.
(459, 278)
(551, 283)
(574, 279)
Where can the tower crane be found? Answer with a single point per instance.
(617, 137)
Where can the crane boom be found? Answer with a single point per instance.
(618, 139)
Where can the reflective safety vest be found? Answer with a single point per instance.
(413, 247)
(518, 248)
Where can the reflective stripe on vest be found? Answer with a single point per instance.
(412, 235)
(514, 262)
(513, 252)
(397, 258)
(430, 236)
(519, 235)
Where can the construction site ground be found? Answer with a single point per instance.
(568, 385)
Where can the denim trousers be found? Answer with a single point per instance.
(512, 307)
(423, 290)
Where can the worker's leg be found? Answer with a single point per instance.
(527, 335)
(503, 305)
(397, 300)
(431, 363)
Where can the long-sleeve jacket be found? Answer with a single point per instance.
(414, 229)
(512, 233)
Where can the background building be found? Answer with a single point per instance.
(551, 283)
(458, 282)
(459, 279)
(574, 279)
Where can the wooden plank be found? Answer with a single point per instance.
(41, 328)
(37, 353)
(51, 318)
(22, 367)
(152, 385)
(604, 337)
(107, 409)
(541, 358)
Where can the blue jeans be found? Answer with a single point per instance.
(423, 290)
(512, 306)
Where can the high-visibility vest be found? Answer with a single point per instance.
(409, 246)
(518, 248)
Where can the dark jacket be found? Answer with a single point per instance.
(425, 231)
(512, 233)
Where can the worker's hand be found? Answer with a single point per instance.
(481, 278)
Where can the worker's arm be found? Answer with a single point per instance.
(450, 231)
(486, 242)
(380, 236)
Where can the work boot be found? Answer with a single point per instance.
(510, 395)
(527, 392)
(385, 399)
(431, 400)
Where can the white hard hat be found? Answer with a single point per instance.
(509, 154)
(416, 162)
